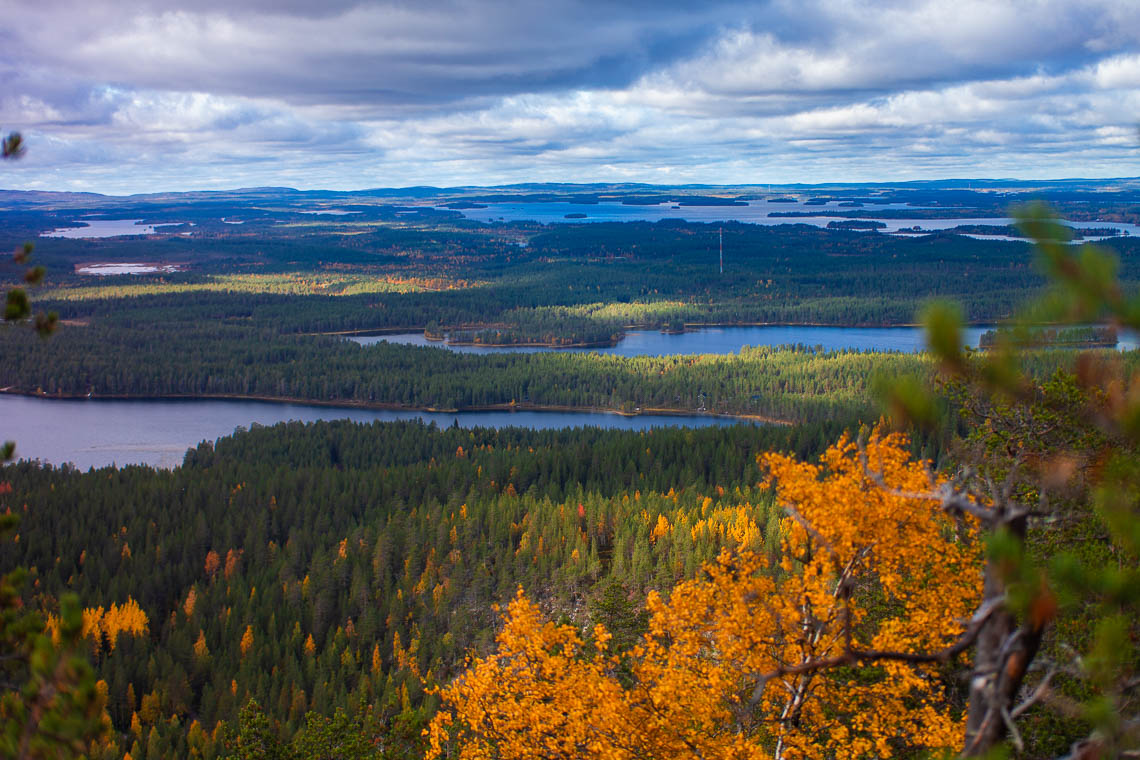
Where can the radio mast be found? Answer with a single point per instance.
(721, 231)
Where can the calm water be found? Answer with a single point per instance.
(756, 212)
(96, 228)
(103, 270)
(96, 433)
(721, 340)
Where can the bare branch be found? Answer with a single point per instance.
(1041, 691)
(1014, 734)
(869, 656)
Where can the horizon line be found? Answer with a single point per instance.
(989, 182)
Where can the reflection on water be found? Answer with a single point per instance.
(95, 433)
(719, 340)
(101, 228)
(729, 340)
(125, 268)
(756, 212)
(98, 432)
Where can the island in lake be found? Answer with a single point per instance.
(1101, 336)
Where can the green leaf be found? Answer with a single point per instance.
(943, 321)
(16, 306)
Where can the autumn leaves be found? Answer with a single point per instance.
(752, 660)
(103, 626)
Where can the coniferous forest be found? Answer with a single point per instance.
(330, 565)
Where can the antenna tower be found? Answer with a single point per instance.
(721, 250)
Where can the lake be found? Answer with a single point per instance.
(756, 212)
(104, 270)
(719, 340)
(101, 432)
(102, 228)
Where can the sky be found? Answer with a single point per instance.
(128, 96)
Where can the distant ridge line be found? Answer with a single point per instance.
(1102, 185)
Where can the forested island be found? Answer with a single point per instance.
(856, 224)
(1078, 337)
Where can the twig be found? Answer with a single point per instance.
(1041, 691)
(1014, 734)
(866, 656)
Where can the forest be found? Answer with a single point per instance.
(224, 360)
(242, 316)
(364, 560)
(930, 553)
(386, 266)
(313, 587)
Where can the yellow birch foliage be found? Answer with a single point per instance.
(862, 558)
(125, 618)
(105, 625)
(865, 567)
(543, 694)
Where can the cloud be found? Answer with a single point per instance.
(377, 55)
(172, 95)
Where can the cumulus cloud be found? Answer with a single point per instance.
(129, 95)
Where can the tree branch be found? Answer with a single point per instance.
(868, 656)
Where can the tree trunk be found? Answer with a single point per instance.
(1002, 656)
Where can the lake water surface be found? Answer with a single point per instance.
(104, 270)
(101, 228)
(756, 212)
(719, 340)
(101, 432)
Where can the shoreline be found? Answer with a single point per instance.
(688, 327)
(1074, 346)
(392, 406)
(553, 346)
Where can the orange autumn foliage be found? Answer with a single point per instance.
(201, 651)
(728, 666)
(232, 559)
(105, 625)
(213, 562)
(246, 640)
(191, 602)
(891, 569)
(544, 693)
